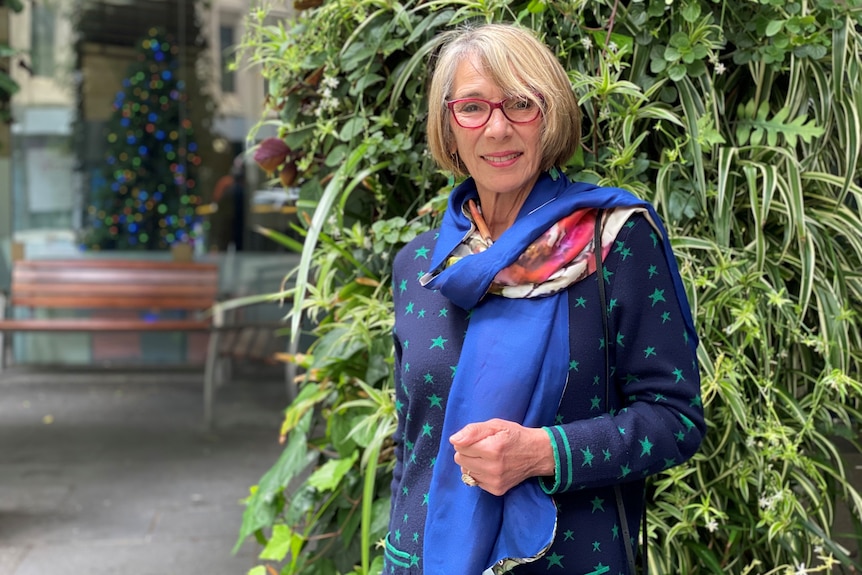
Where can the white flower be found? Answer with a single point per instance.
(800, 569)
(720, 68)
(586, 42)
(612, 47)
(712, 525)
(766, 502)
(327, 93)
(818, 549)
(329, 103)
(330, 82)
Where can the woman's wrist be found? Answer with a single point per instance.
(546, 459)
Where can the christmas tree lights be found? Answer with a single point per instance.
(150, 193)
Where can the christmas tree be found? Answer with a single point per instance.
(148, 198)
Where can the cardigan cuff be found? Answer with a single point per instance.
(563, 472)
(543, 481)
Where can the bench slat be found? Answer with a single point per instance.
(99, 324)
(203, 293)
(72, 301)
(114, 284)
(118, 276)
(112, 264)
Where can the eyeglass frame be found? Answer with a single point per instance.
(450, 104)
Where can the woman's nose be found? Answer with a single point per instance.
(498, 122)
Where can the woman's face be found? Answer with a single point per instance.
(503, 157)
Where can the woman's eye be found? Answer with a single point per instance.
(470, 108)
(520, 104)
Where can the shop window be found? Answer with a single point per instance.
(42, 24)
(226, 50)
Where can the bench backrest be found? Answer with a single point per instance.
(114, 284)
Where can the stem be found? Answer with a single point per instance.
(367, 501)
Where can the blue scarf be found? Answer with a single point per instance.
(468, 530)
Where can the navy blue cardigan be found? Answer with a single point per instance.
(656, 416)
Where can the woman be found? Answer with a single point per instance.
(508, 451)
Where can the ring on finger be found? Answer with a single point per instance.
(468, 479)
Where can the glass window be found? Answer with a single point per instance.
(42, 24)
(226, 50)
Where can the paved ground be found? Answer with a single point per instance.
(105, 473)
(110, 473)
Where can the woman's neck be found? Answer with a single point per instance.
(500, 210)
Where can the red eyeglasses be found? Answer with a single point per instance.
(475, 112)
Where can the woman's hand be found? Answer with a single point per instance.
(500, 454)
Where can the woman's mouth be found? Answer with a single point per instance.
(501, 159)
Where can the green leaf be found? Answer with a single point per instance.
(336, 346)
(680, 40)
(336, 156)
(691, 12)
(7, 84)
(340, 426)
(696, 69)
(774, 27)
(280, 238)
(676, 72)
(536, 6)
(671, 54)
(330, 474)
(352, 128)
(365, 81)
(279, 543)
(356, 54)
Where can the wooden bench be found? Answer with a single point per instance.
(155, 289)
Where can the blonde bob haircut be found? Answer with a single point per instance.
(520, 65)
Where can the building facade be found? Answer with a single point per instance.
(72, 60)
(72, 57)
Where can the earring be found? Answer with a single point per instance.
(451, 180)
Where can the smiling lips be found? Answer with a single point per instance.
(502, 159)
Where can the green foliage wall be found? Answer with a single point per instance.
(740, 120)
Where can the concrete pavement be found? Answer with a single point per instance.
(105, 472)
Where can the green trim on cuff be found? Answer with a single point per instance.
(570, 476)
(557, 479)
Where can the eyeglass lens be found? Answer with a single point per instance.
(475, 112)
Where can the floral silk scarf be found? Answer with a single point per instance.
(560, 257)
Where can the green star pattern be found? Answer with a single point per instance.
(596, 444)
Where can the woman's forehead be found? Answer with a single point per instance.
(474, 77)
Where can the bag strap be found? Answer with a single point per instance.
(621, 508)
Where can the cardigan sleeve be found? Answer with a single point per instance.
(656, 420)
(401, 396)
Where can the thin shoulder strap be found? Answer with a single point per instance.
(621, 508)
